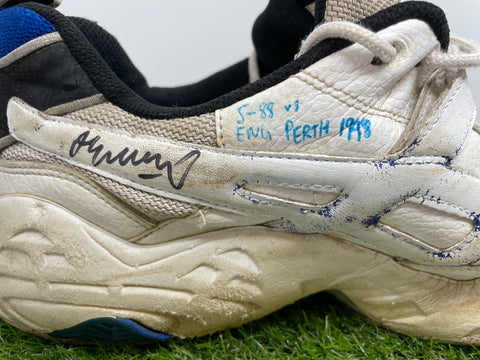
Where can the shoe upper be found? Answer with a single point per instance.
(362, 127)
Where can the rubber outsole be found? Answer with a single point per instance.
(112, 330)
(58, 270)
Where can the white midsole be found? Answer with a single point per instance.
(58, 270)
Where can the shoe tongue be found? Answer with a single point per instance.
(279, 30)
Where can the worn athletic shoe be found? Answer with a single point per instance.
(343, 156)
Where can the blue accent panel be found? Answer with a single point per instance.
(113, 330)
(20, 25)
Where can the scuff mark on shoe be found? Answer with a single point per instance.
(372, 221)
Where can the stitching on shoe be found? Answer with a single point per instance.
(140, 202)
(433, 159)
(427, 129)
(219, 120)
(231, 152)
(465, 138)
(328, 91)
(466, 212)
(468, 215)
(50, 173)
(253, 196)
(299, 186)
(422, 199)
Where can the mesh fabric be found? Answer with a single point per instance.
(19, 26)
(152, 206)
(355, 10)
(199, 130)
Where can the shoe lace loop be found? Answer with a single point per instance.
(353, 32)
(461, 55)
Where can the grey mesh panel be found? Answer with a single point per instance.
(151, 206)
(199, 130)
(355, 10)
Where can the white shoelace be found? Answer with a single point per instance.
(461, 55)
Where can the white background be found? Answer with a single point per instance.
(179, 42)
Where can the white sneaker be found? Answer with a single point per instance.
(342, 156)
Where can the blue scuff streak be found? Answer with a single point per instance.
(386, 163)
(444, 256)
(372, 222)
(326, 213)
(476, 220)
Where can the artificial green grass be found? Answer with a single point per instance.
(318, 327)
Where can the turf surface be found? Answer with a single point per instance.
(318, 327)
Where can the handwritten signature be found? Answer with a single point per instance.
(132, 157)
